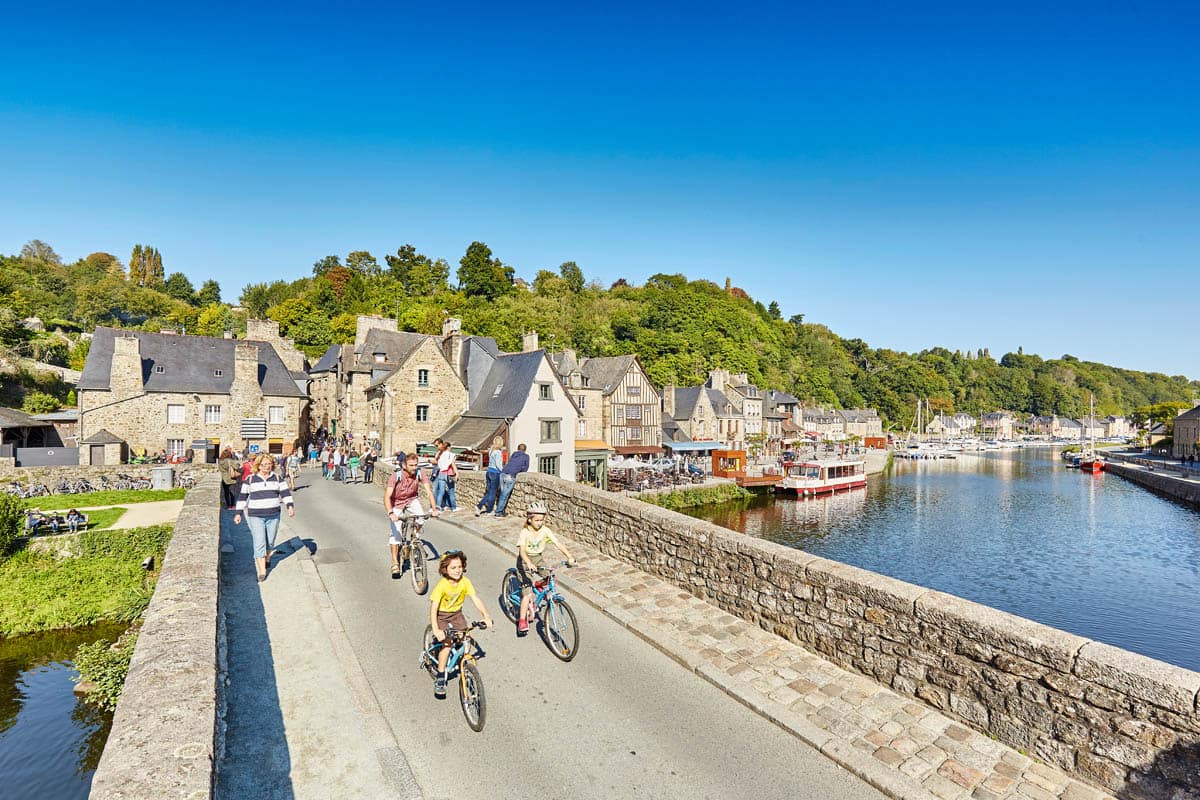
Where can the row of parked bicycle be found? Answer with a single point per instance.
(103, 483)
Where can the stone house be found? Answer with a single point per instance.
(861, 422)
(998, 424)
(1117, 426)
(1091, 427)
(828, 424)
(746, 401)
(701, 414)
(156, 391)
(520, 398)
(1186, 440)
(415, 393)
(589, 399)
(1067, 428)
(785, 404)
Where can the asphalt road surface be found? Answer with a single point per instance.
(621, 720)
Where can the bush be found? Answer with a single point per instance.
(700, 496)
(39, 403)
(105, 664)
(11, 518)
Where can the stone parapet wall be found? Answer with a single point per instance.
(52, 475)
(163, 737)
(1117, 719)
(1161, 480)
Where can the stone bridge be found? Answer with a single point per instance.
(712, 664)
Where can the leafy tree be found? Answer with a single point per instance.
(12, 332)
(480, 275)
(323, 265)
(210, 293)
(11, 516)
(214, 320)
(363, 263)
(154, 269)
(37, 250)
(343, 327)
(547, 284)
(79, 353)
(773, 310)
(573, 275)
(39, 403)
(106, 263)
(137, 266)
(178, 286)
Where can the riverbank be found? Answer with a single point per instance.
(105, 582)
(1176, 485)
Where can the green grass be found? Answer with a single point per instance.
(1075, 448)
(104, 517)
(123, 497)
(699, 496)
(105, 583)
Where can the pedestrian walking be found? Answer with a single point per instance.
(231, 474)
(262, 496)
(368, 466)
(352, 465)
(446, 476)
(517, 463)
(491, 491)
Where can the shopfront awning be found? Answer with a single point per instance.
(694, 447)
(638, 450)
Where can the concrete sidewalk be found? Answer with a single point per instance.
(901, 747)
(301, 720)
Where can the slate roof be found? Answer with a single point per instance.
(15, 418)
(396, 346)
(504, 391)
(672, 432)
(102, 436)
(329, 361)
(189, 363)
(605, 373)
(859, 415)
(780, 398)
(1192, 414)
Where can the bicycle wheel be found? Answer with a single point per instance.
(510, 585)
(560, 631)
(416, 567)
(427, 661)
(470, 694)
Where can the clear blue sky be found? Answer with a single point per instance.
(931, 175)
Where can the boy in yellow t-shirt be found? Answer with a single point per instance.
(531, 552)
(445, 608)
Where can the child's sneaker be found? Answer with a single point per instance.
(522, 626)
(439, 686)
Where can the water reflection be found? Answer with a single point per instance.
(50, 743)
(1095, 555)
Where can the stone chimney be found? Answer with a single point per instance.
(452, 343)
(529, 342)
(266, 330)
(717, 378)
(245, 373)
(366, 322)
(125, 374)
(668, 401)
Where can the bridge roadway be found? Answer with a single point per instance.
(310, 646)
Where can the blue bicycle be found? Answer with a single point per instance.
(463, 651)
(556, 621)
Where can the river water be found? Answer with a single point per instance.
(50, 743)
(1094, 555)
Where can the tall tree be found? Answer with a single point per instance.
(137, 266)
(323, 265)
(178, 286)
(37, 250)
(210, 293)
(480, 275)
(363, 263)
(573, 275)
(154, 269)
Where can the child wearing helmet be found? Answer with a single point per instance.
(531, 552)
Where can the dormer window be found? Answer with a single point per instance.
(217, 373)
(159, 369)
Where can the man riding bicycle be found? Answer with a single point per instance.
(400, 497)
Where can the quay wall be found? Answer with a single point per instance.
(1117, 719)
(1160, 480)
(164, 733)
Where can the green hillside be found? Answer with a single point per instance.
(680, 328)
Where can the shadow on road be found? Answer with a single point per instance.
(257, 762)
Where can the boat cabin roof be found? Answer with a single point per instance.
(825, 462)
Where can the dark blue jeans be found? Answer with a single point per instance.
(506, 486)
(490, 491)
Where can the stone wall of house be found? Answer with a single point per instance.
(141, 420)
(445, 398)
(1117, 719)
(323, 397)
(164, 739)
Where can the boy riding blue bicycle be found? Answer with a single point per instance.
(535, 537)
(445, 608)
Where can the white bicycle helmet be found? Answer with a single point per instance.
(537, 507)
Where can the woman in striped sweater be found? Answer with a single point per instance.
(263, 493)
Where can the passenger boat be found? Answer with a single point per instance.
(825, 476)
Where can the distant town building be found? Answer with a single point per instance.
(998, 424)
(152, 392)
(861, 422)
(1186, 440)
